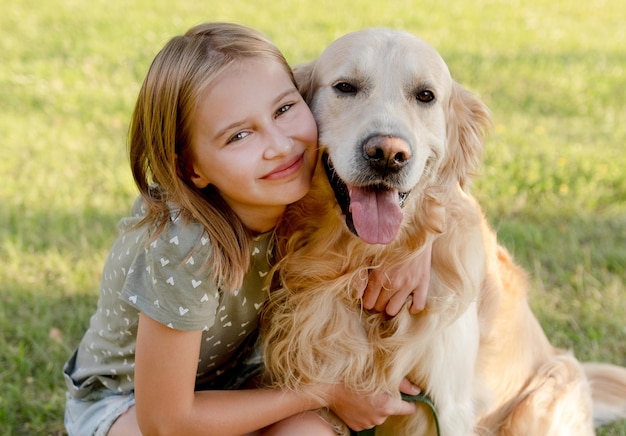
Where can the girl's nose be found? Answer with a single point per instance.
(279, 143)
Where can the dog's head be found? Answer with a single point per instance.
(391, 121)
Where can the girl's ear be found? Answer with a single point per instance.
(188, 172)
(199, 181)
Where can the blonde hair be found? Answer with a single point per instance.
(161, 130)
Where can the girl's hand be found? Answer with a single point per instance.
(360, 413)
(387, 289)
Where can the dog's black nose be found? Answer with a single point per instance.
(387, 153)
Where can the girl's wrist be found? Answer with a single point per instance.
(320, 396)
(331, 392)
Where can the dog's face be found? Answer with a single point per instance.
(382, 101)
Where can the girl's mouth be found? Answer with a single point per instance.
(287, 169)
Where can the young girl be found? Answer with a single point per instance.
(220, 143)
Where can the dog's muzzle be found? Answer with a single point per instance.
(373, 213)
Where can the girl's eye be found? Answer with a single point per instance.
(283, 109)
(238, 137)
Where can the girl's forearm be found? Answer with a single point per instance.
(233, 412)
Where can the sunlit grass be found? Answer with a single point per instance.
(553, 180)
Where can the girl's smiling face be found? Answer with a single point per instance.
(255, 140)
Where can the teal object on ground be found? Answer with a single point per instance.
(421, 398)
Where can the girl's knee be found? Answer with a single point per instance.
(126, 424)
(304, 424)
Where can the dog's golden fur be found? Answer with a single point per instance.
(476, 349)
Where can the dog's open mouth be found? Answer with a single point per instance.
(373, 213)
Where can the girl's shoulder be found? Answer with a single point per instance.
(177, 242)
(180, 234)
(181, 240)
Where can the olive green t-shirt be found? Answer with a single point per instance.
(167, 279)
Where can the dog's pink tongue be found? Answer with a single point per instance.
(376, 214)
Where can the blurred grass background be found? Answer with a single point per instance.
(553, 73)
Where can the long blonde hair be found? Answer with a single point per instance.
(161, 130)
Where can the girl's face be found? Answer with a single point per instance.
(255, 140)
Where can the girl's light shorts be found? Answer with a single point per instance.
(84, 417)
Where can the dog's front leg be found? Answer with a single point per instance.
(447, 371)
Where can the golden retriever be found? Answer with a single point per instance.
(399, 140)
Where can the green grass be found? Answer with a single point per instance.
(553, 182)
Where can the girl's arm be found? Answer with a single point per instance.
(165, 373)
(388, 288)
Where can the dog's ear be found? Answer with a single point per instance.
(468, 122)
(304, 77)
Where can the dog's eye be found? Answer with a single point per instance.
(425, 96)
(345, 88)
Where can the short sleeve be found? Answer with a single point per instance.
(168, 279)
